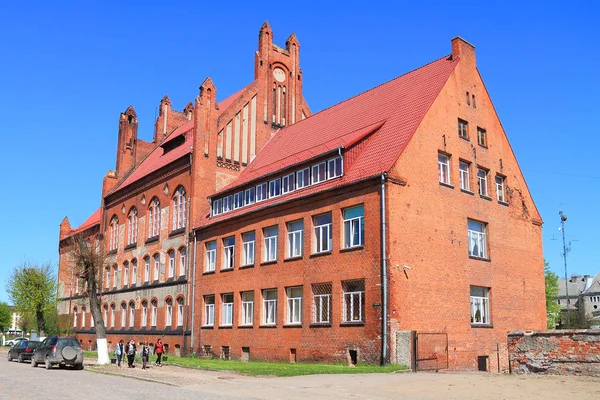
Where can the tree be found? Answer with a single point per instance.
(552, 306)
(33, 290)
(5, 316)
(88, 260)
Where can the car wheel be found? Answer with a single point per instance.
(33, 363)
(9, 357)
(48, 363)
(21, 358)
(79, 367)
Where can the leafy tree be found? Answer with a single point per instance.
(26, 322)
(577, 319)
(33, 290)
(5, 316)
(552, 306)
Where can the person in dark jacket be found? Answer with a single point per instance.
(145, 352)
(130, 350)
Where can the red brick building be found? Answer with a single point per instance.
(325, 237)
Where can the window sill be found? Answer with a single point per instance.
(292, 326)
(131, 246)
(464, 138)
(113, 251)
(480, 259)
(207, 327)
(247, 266)
(323, 253)
(351, 324)
(484, 326)
(226, 269)
(482, 145)
(177, 232)
(323, 325)
(446, 185)
(485, 197)
(225, 326)
(467, 192)
(273, 326)
(353, 248)
(268, 262)
(245, 326)
(208, 273)
(503, 203)
(295, 258)
(152, 239)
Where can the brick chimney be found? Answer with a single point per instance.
(463, 50)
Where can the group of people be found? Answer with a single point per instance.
(130, 350)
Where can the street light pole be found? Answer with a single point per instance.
(563, 218)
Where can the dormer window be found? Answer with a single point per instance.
(319, 172)
(275, 188)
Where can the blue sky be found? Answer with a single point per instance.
(68, 70)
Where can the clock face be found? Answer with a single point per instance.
(279, 74)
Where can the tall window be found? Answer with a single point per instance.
(354, 226)
(171, 269)
(144, 314)
(249, 196)
(179, 209)
(115, 274)
(444, 168)
(154, 218)
(107, 280)
(480, 305)
(123, 315)
(132, 226)
(462, 129)
(247, 308)
(303, 178)
(156, 266)
(319, 172)
(287, 183)
(354, 301)
(481, 137)
(238, 200)
(105, 316)
(134, 271)
(209, 311)
(321, 303)
(270, 245)
(125, 273)
(211, 256)
(217, 206)
(146, 269)
(322, 240)
(227, 309)
(294, 305)
(154, 312)
(482, 176)
(228, 253)
(500, 188)
(182, 260)
(180, 311)
(227, 203)
(295, 238)
(113, 311)
(114, 233)
(477, 239)
(248, 248)
(464, 167)
(168, 312)
(269, 316)
(75, 317)
(131, 314)
(82, 317)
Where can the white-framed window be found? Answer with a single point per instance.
(275, 188)
(294, 305)
(113, 312)
(75, 317)
(132, 226)
(168, 312)
(182, 260)
(144, 314)
(261, 192)
(354, 301)
(249, 196)
(123, 315)
(303, 178)
(180, 311)
(171, 269)
(269, 315)
(482, 177)
(248, 240)
(107, 280)
(146, 269)
(154, 218)
(217, 206)
(247, 308)
(444, 168)
(105, 316)
(321, 303)
(114, 233)
(238, 200)
(322, 233)
(354, 226)
(211, 256)
(334, 167)
(227, 309)
(319, 172)
(295, 238)
(115, 275)
(465, 183)
(131, 314)
(500, 188)
(125, 273)
(228, 253)
(154, 312)
(477, 239)
(134, 271)
(156, 266)
(480, 305)
(287, 183)
(270, 243)
(227, 203)
(179, 209)
(209, 311)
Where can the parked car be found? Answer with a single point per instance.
(61, 351)
(16, 340)
(23, 350)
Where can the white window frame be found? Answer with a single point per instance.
(124, 315)
(287, 183)
(261, 192)
(294, 305)
(133, 271)
(105, 311)
(321, 231)
(168, 312)
(211, 256)
(354, 228)
(113, 311)
(179, 209)
(238, 200)
(180, 311)
(154, 219)
(144, 314)
(274, 188)
(353, 299)
(226, 309)
(301, 176)
(156, 271)
(319, 172)
(147, 269)
(248, 248)
(481, 304)
(247, 317)
(269, 315)
(332, 164)
(249, 196)
(107, 283)
(154, 312)
(271, 235)
(132, 226)
(125, 273)
(171, 268)
(477, 238)
(295, 244)
(182, 261)
(209, 311)
(115, 275)
(465, 181)
(444, 168)
(500, 194)
(114, 233)
(482, 178)
(321, 303)
(228, 253)
(131, 315)
(217, 207)
(227, 203)
(75, 317)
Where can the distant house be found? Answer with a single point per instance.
(583, 292)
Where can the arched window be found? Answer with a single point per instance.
(131, 313)
(283, 105)
(123, 315)
(105, 316)
(132, 226)
(144, 313)
(154, 312)
(107, 278)
(114, 233)
(179, 209)
(75, 317)
(115, 272)
(146, 269)
(125, 273)
(180, 311)
(113, 310)
(171, 271)
(168, 312)
(134, 272)
(156, 266)
(182, 261)
(154, 218)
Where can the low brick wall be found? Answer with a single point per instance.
(558, 352)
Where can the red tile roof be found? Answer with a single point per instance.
(400, 104)
(94, 219)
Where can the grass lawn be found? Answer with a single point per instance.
(271, 368)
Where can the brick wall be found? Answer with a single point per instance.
(560, 352)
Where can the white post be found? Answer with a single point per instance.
(103, 358)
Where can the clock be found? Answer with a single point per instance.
(279, 74)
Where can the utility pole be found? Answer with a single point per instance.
(563, 218)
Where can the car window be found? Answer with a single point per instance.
(33, 343)
(53, 341)
(69, 342)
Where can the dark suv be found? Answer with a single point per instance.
(59, 351)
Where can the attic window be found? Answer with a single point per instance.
(173, 144)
